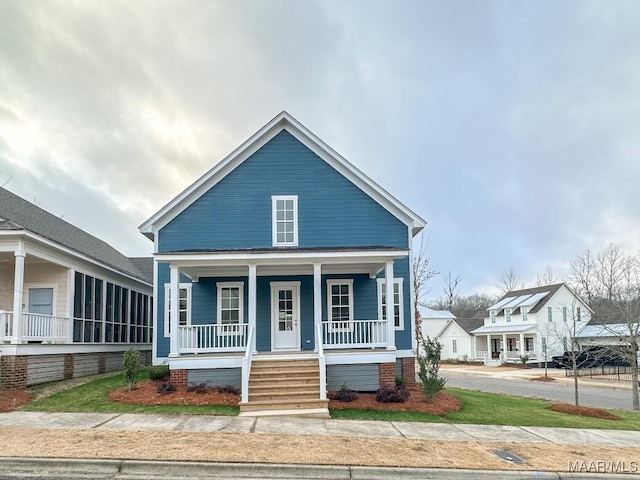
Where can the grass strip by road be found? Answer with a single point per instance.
(478, 408)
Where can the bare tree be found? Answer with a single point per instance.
(610, 270)
(422, 273)
(509, 280)
(546, 277)
(464, 306)
(625, 298)
(582, 276)
(451, 285)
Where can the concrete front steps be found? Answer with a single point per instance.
(285, 386)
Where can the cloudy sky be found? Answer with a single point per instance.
(513, 128)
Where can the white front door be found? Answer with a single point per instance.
(285, 315)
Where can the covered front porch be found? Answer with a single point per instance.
(505, 344)
(298, 300)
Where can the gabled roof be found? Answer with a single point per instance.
(426, 312)
(17, 214)
(283, 121)
(469, 324)
(534, 297)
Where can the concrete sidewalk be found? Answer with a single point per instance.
(320, 427)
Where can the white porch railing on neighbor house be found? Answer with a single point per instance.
(35, 327)
(246, 367)
(354, 334)
(516, 355)
(482, 354)
(212, 338)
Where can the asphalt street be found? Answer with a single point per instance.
(591, 396)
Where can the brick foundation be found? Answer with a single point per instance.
(13, 371)
(409, 371)
(102, 363)
(178, 378)
(387, 374)
(69, 366)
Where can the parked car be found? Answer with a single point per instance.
(595, 356)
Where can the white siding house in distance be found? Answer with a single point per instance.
(433, 321)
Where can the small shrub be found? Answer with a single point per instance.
(158, 372)
(345, 394)
(165, 387)
(400, 381)
(524, 359)
(131, 364)
(393, 394)
(230, 389)
(198, 387)
(428, 359)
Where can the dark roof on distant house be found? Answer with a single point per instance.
(606, 315)
(552, 289)
(480, 314)
(18, 214)
(469, 324)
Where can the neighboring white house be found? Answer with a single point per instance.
(70, 304)
(456, 339)
(534, 322)
(433, 321)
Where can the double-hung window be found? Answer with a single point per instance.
(550, 314)
(184, 307)
(492, 316)
(340, 305)
(564, 314)
(507, 314)
(230, 307)
(525, 311)
(398, 316)
(284, 209)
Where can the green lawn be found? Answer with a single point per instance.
(495, 409)
(478, 408)
(92, 397)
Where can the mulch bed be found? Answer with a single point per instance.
(583, 411)
(11, 398)
(146, 393)
(442, 404)
(543, 379)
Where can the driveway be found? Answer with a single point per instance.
(518, 382)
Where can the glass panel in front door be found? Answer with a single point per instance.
(285, 310)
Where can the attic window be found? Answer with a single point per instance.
(284, 220)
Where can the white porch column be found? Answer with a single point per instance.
(391, 328)
(522, 349)
(174, 310)
(253, 273)
(504, 346)
(317, 302)
(71, 295)
(488, 357)
(18, 287)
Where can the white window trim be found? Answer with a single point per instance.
(274, 230)
(238, 329)
(564, 314)
(167, 292)
(28, 286)
(525, 313)
(340, 281)
(507, 315)
(549, 314)
(399, 282)
(492, 316)
(454, 346)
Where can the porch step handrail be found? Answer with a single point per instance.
(322, 363)
(354, 334)
(246, 366)
(212, 337)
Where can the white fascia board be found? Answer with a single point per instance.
(281, 257)
(56, 247)
(281, 122)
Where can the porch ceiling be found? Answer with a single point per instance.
(278, 262)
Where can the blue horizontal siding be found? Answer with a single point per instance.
(236, 213)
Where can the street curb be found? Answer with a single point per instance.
(137, 469)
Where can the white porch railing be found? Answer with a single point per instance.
(516, 355)
(482, 354)
(212, 338)
(246, 367)
(35, 327)
(354, 334)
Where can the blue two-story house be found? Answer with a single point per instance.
(271, 273)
